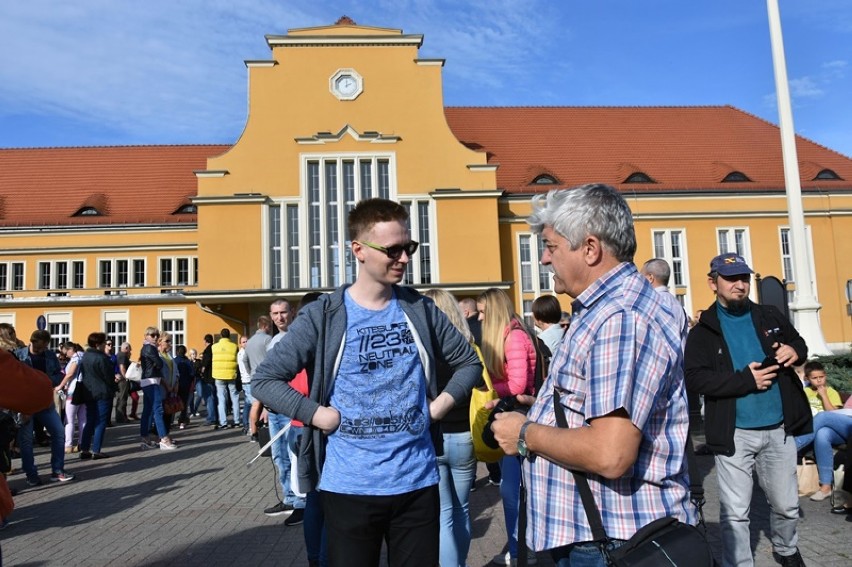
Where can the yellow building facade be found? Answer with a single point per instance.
(193, 239)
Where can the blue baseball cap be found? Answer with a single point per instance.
(729, 264)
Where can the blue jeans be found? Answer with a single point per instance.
(152, 408)
(281, 459)
(772, 454)
(510, 491)
(50, 419)
(97, 416)
(196, 396)
(208, 393)
(457, 470)
(583, 554)
(247, 401)
(223, 388)
(830, 428)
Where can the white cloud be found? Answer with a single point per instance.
(804, 87)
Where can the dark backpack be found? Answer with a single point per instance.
(8, 432)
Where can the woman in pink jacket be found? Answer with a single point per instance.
(510, 359)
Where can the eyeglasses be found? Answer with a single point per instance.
(394, 252)
(154, 335)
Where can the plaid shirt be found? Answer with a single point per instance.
(623, 350)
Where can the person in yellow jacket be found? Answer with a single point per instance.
(225, 375)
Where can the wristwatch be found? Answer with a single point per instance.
(523, 450)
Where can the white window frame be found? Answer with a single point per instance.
(113, 280)
(681, 292)
(112, 316)
(59, 318)
(8, 318)
(791, 293)
(414, 273)
(10, 276)
(542, 277)
(167, 317)
(730, 240)
(191, 272)
(316, 252)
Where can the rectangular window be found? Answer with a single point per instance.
(525, 255)
(735, 240)
(105, 273)
(275, 268)
(165, 272)
(115, 327)
(44, 275)
(183, 271)
(139, 273)
(173, 321)
(332, 186)
(62, 275)
(294, 263)
(4, 277)
(79, 274)
(670, 245)
(122, 273)
(419, 268)
(59, 327)
(787, 256)
(17, 276)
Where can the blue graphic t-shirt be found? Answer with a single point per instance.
(383, 446)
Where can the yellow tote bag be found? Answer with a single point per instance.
(479, 416)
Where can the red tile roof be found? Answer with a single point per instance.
(127, 184)
(681, 148)
(687, 149)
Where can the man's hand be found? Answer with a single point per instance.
(785, 354)
(524, 399)
(763, 377)
(507, 428)
(326, 419)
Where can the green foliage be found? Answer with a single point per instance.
(838, 370)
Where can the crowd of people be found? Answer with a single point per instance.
(378, 374)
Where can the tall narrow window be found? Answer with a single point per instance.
(44, 275)
(105, 273)
(294, 264)
(670, 245)
(183, 271)
(17, 276)
(419, 268)
(62, 275)
(115, 327)
(173, 321)
(166, 272)
(275, 270)
(59, 327)
(525, 255)
(79, 275)
(138, 273)
(122, 273)
(4, 277)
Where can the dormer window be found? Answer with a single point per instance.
(87, 212)
(827, 174)
(638, 177)
(544, 179)
(189, 209)
(736, 177)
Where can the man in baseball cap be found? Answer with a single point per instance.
(729, 264)
(752, 409)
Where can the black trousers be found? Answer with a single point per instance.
(357, 525)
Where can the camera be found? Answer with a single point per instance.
(509, 403)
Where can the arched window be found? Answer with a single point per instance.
(186, 210)
(827, 174)
(638, 177)
(735, 177)
(544, 179)
(88, 212)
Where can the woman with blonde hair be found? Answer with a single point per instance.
(457, 465)
(509, 357)
(73, 412)
(169, 383)
(152, 397)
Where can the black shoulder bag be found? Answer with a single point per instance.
(666, 541)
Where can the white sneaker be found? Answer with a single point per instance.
(504, 559)
(819, 495)
(166, 445)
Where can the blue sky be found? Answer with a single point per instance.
(118, 72)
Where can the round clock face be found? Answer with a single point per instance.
(346, 85)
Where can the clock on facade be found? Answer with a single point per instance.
(346, 84)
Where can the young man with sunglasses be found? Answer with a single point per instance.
(370, 350)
